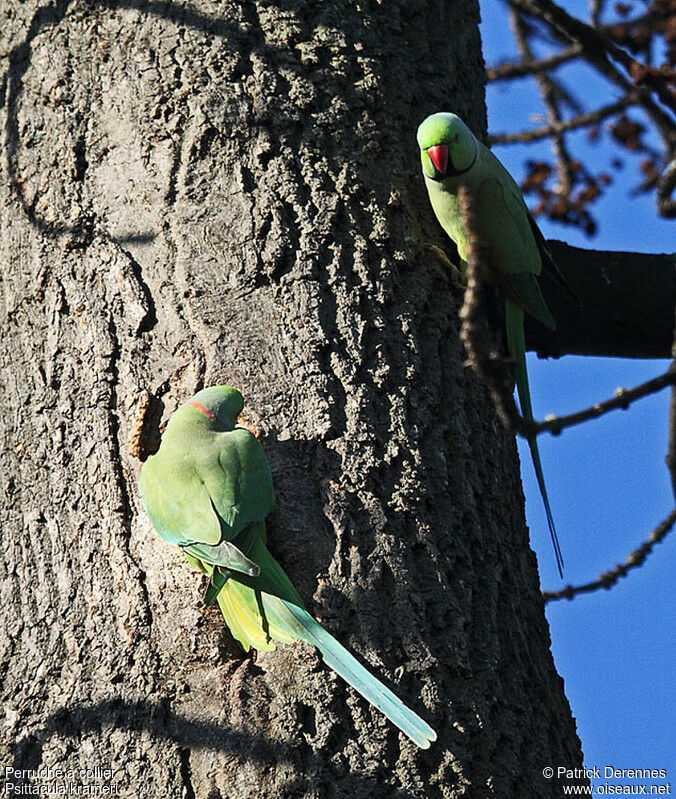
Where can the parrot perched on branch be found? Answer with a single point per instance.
(452, 157)
(208, 489)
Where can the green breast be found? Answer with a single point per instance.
(446, 207)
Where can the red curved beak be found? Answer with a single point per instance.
(439, 157)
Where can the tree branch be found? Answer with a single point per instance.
(595, 12)
(530, 66)
(609, 578)
(527, 67)
(580, 121)
(666, 205)
(671, 451)
(626, 305)
(621, 401)
(597, 46)
(597, 58)
(550, 93)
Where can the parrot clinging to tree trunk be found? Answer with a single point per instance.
(515, 248)
(208, 489)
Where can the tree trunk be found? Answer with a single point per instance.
(229, 192)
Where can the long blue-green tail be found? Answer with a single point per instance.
(350, 669)
(265, 610)
(516, 342)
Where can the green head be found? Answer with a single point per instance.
(218, 407)
(447, 146)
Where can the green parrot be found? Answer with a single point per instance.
(452, 157)
(208, 489)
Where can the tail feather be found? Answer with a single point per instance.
(516, 342)
(266, 610)
(350, 669)
(252, 618)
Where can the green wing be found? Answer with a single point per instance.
(503, 224)
(524, 290)
(178, 502)
(548, 263)
(237, 477)
(238, 480)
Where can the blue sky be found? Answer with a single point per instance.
(607, 479)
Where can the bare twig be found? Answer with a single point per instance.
(666, 205)
(609, 578)
(481, 355)
(595, 12)
(521, 69)
(531, 66)
(490, 367)
(671, 452)
(596, 44)
(622, 400)
(603, 47)
(662, 120)
(550, 96)
(580, 121)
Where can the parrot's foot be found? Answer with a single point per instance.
(456, 274)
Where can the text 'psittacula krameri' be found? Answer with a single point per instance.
(514, 247)
(208, 489)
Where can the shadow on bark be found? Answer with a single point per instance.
(161, 723)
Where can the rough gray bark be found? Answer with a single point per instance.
(230, 192)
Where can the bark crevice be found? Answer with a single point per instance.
(250, 212)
